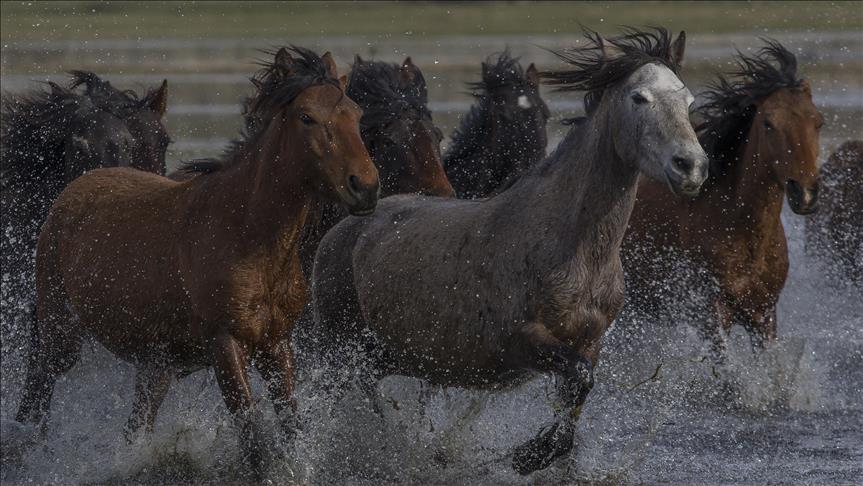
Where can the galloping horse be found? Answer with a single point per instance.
(503, 134)
(398, 132)
(836, 230)
(178, 276)
(761, 133)
(47, 139)
(482, 293)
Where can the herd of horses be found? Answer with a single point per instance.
(477, 267)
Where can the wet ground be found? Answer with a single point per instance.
(791, 415)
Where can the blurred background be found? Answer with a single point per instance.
(207, 50)
(794, 414)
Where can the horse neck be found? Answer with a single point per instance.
(263, 207)
(580, 198)
(748, 189)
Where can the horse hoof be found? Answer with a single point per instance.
(539, 452)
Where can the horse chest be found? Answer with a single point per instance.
(268, 294)
(582, 301)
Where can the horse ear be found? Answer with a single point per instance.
(408, 73)
(330, 63)
(343, 82)
(357, 59)
(283, 57)
(609, 50)
(678, 47)
(532, 75)
(159, 102)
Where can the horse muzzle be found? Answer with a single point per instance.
(685, 175)
(362, 198)
(803, 200)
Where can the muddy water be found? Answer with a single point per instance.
(659, 414)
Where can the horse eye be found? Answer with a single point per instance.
(639, 99)
(306, 119)
(768, 125)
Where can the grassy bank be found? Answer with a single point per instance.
(33, 21)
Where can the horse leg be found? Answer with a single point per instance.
(276, 366)
(151, 386)
(54, 349)
(760, 322)
(574, 373)
(230, 363)
(717, 332)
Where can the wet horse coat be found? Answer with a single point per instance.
(761, 132)
(479, 293)
(503, 135)
(178, 276)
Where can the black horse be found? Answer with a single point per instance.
(49, 137)
(503, 134)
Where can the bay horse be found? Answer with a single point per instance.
(399, 133)
(484, 293)
(835, 232)
(503, 134)
(174, 277)
(761, 132)
(49, 137)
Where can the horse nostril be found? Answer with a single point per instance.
(353, 185)
(682, 163)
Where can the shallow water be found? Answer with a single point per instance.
(793, 414)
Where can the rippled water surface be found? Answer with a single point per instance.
(659, 414)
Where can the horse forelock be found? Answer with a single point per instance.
(594, 73)
(276, 86)
(377, 88)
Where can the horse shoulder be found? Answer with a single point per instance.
(267, 291)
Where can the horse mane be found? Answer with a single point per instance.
(33, 127)
(730, 104)
(377, 87)
(121, 104)
(594, 73)
(277, 85)
(503, 73)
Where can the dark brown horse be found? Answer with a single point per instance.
(503, 134)
(835, 232)
(761, 133)
(399, 133)
(47, 139)
(178, 276)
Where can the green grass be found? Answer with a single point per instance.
(131, 20)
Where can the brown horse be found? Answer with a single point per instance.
(836, 231)
(400, 135)
(178, 276)
(761, 133)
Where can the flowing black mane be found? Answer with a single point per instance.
(34, 125)
(594, 73)
(505, 72)
(277, 84)
(730, 104)
(378, 88)
(108, 98)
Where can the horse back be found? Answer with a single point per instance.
(107, 246)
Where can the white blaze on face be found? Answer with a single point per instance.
(523, 102)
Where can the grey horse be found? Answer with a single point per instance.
(486, 293)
